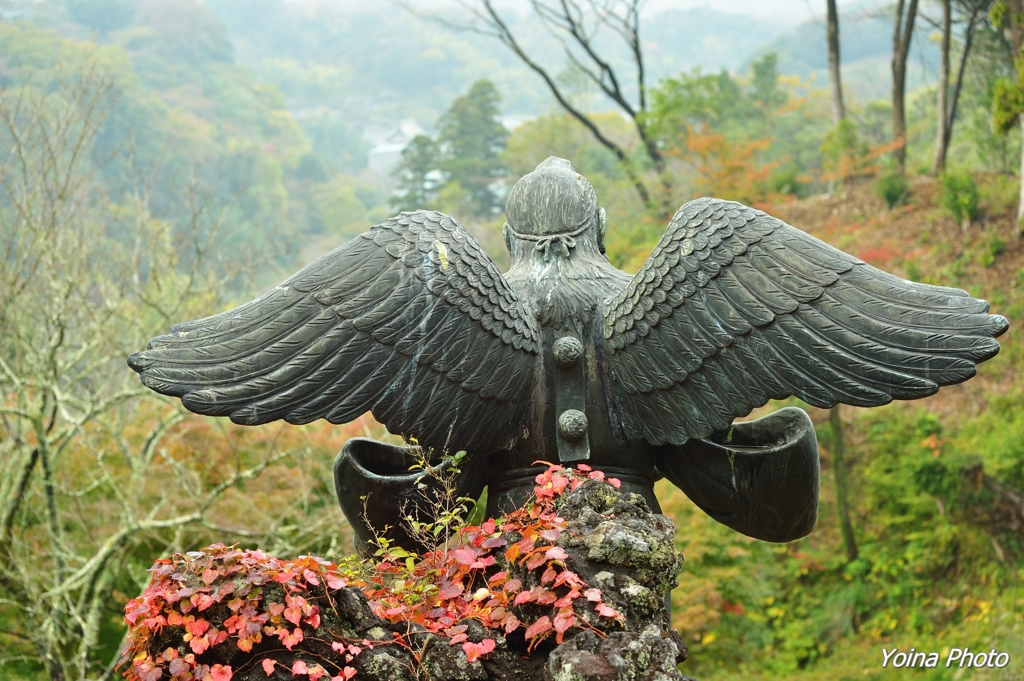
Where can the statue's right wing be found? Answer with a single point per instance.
(411, 320)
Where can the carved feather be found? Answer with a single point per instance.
(735, 307)
(411, 321)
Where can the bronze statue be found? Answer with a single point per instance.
(566, 359)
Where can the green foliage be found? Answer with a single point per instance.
(1007, 105)
(960, 195)
(782, 118)
(841, 143)
(765, 86)
(463, 169)
(694, 100)
(418, 175)
(471, 140)
(892, 188)
(926, 571)
(993, 248)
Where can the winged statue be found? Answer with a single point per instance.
(564, 358)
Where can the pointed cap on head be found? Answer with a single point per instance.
(553, 199)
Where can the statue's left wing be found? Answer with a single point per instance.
(735, 307)
(411, 320)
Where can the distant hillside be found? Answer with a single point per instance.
(347, 71)
(865, 39)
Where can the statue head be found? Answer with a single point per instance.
(553, 210)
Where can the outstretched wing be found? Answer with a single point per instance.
(411, 320)
(735, 307)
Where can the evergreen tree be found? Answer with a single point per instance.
(471, 141)
(418, 175)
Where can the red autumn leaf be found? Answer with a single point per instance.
(197, 627)
(563, 622)
(535, 561)
(289, 640)
(293, 615)
(566, 576)
(276, 609)
(556, 553)
(313, 620)
(245, 645)
(285, 577)
(268, 666)
(221, 672)
(511, 623)
(336, 581)
(537, 628)
(614, 482)
(234, 623)
(512, 552)
(299, 668)
(348, 673)
(177, 666)
(548, 576)
(583, 468)
(204, 601)
(465, 556)
(488, 527)
(593, 595)
(311, 577)
(338, 646)
(493, 543)
(551, 534)
(483, 562)
(450, 591)
(209, 574)
(475, 650)
(198, 645)
(523, 597)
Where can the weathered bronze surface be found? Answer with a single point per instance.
(565, 358)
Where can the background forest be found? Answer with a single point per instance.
(162, 160)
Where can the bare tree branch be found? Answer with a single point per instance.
(575, 25)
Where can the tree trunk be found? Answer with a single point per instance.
(839, 466)
(902, 35)
(972, 24)
(1020, 202)
(943, 119)
(838, 109)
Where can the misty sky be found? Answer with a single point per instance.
(780, 11)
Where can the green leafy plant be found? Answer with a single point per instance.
(960, 196)
(892, 187)
(994, 247)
